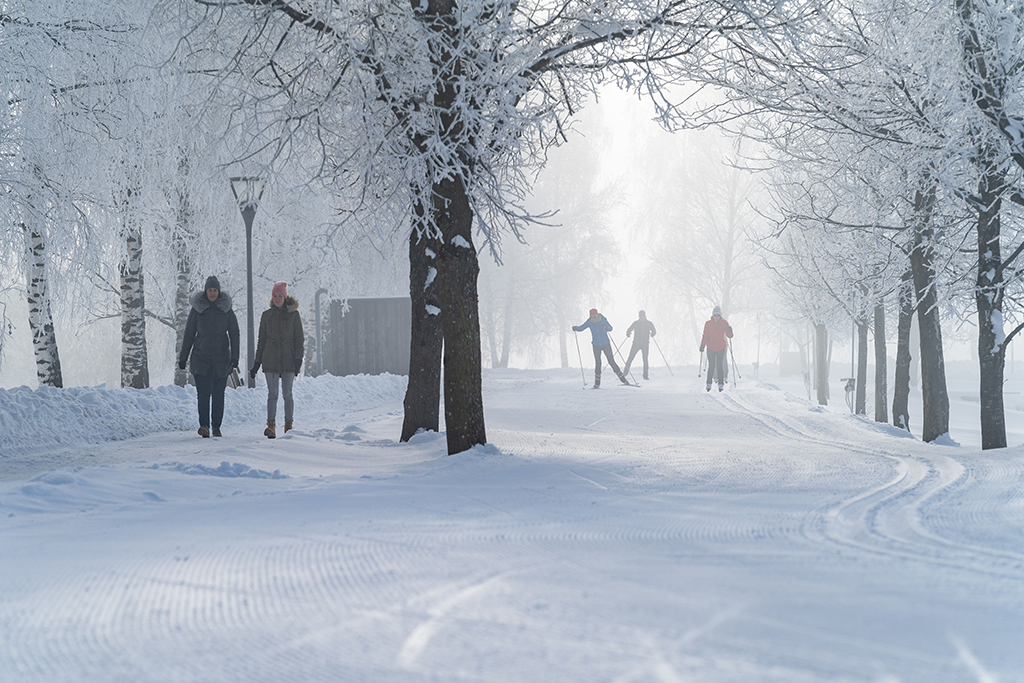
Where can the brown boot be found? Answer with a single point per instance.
(271, 431)
(204, 432)
(287, 426)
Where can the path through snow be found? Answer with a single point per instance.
(661, 534)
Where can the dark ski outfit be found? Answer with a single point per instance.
(644, 329)
(211, 336)
(599, 329)
(715, 332)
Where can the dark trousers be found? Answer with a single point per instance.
(716, 366)
(607, 350)
(210, 390)
(632, 354)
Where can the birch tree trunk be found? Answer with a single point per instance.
(901, 391)
(40, 320)
(881, 369)
(935, 399)
(134, 361)
(182, 242)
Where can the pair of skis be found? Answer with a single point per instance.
(633, 383)
(735, 369)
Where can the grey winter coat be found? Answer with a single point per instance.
(281, 339)
(211, 335)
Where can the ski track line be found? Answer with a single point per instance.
(998, 522)
(888, 518)
(418, 640)
(202, 601)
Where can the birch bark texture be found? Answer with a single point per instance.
(40, 318)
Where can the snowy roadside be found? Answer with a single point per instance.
(36, 423)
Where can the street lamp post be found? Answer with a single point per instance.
(248, 191)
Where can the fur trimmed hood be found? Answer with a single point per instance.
(200, 303)
(291, 304)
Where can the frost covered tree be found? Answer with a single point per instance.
(443, 105)
(857, 76)
(992, 39)
(47, 52)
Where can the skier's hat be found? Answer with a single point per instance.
(593, 312)
(717, 310)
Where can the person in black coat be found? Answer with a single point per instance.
(211, 335)
(644, 329)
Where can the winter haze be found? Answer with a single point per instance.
(842, 183)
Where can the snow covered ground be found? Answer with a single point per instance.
(653, 534)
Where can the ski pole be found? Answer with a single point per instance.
(700, 364)
(580, 356)
(663, 356)
(735, 369)
(621, 357)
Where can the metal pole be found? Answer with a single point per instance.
(248, 214)
(248, 191)
(580, 356)
(658, 346)
(319, 343)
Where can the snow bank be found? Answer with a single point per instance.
(42, 419)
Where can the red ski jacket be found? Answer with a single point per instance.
(715, 332)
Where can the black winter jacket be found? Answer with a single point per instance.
(211, 334)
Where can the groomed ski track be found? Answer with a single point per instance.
(665, 535)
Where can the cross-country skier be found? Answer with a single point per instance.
(644, 329)
(715, 332)
(599, 329)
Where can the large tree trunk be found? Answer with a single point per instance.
(881, 388)
(821, 362)
(134, 360)
(901, 391)
(988, 296)
(935, 399)
(423, 393)
(452, 215)
(860, 403)
(457, 270)
(40, 320)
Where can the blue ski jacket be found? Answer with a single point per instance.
(599, 328)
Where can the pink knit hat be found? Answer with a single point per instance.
(280, 288)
